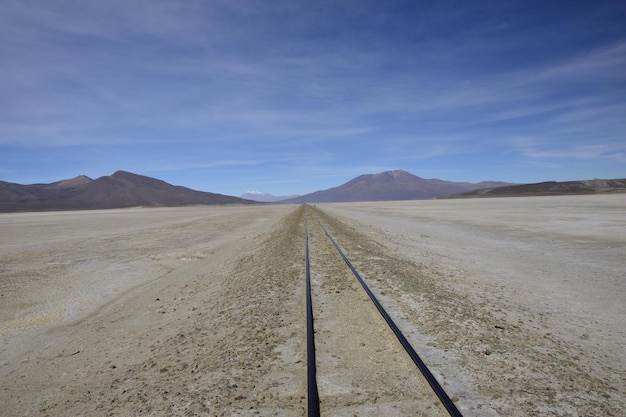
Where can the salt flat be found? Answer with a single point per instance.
(567, 254)
(132, 311)
(199, 310)
(555, 265)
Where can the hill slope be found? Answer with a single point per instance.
(390, 185)
(122, 189)
(550, 188)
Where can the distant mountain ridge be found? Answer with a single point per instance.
(390, 185)
(265, 197)
(119, 190)
(597, 186)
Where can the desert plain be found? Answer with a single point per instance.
(516, 304)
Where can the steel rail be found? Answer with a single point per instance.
(312, 393)
(437, 388)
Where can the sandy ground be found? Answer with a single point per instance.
(516, 304)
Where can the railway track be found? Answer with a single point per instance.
(359, 363)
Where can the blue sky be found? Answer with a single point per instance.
(287, 96)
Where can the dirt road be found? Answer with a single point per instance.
(200, 311)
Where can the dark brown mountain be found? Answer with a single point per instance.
(550, 188)
(122, 189)
(390, 185)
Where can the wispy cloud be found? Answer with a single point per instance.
(580, 152)
(600, 63)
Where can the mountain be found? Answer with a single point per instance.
(122, 189)
(265, 197)
(390, 185)
(550, 188)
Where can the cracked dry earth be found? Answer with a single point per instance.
(201, 311)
